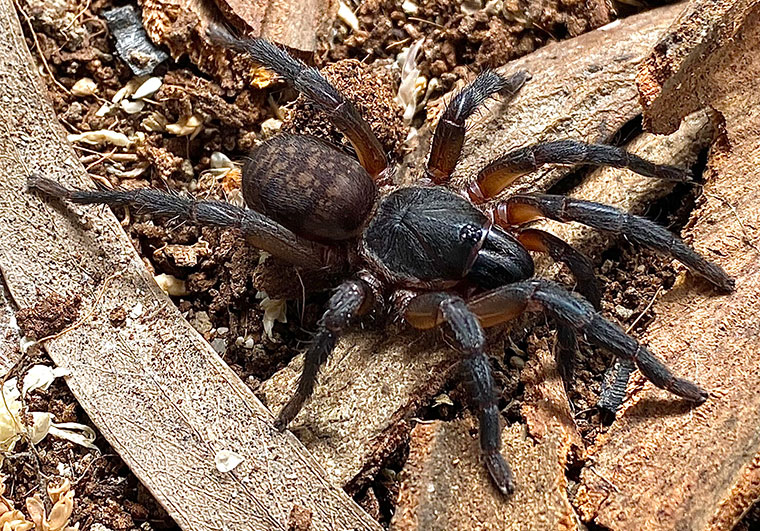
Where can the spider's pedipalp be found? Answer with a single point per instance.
(320, 92)
(259, 230)
(432, 309)
(450, 131)
(526, 207)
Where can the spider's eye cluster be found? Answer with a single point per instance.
(471, 234)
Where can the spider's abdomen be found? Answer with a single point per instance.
(309, 187)
(424, 235)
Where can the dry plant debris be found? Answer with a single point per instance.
(62, 499)
(699, 467)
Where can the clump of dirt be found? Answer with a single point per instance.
(459, 36)
(373, 89)
(49, 315)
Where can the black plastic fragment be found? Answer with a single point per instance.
(132, 43)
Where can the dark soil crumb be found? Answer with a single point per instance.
(49, 316)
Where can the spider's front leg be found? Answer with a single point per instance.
(352, 298)
(503, 304)
(432, 309)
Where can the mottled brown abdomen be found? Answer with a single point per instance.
(308, 186)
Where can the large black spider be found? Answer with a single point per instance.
(452, 260)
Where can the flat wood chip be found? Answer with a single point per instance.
(664, 465)
(373, 382)
(153, 387)
(180, 25)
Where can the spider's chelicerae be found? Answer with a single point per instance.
(439, 253)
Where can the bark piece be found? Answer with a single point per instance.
(154, 388)
(9, 333)
(180, 26)
(667, 84)
(581, 89)
(370, 384)
(445, 485)
(699, 467)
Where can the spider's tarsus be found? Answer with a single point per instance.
(36, 183)
(500, 473)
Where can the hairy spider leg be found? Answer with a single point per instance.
(586, 284)
(522, 208)
(450, 130)
(350, 299)
(320, 92)
(561, 251)
(259, 230)
(614, 385)
(500, 173)
(432, 309)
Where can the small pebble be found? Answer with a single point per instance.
(517, 362)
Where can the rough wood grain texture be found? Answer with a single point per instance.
(9, 333)
(180, 26)
(669, 81)
(581, 89)
(699, 468)
(370, 384)
(163, 399)
(445, 485)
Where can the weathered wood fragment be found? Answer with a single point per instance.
(157, 392)
(698, 467)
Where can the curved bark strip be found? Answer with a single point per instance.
(154, 388)
(698, 468)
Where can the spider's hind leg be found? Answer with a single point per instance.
(259, 230)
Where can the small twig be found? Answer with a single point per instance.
(747, 239)
(651, 302)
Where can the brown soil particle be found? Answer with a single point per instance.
(49, 316)
(372, 88)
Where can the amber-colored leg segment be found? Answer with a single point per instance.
(560, 251)
(432, 309)
(449, 133)
(578, 315)
(500, 173)
(525, 207)
(309, 82)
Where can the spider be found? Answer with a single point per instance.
(442, 255)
